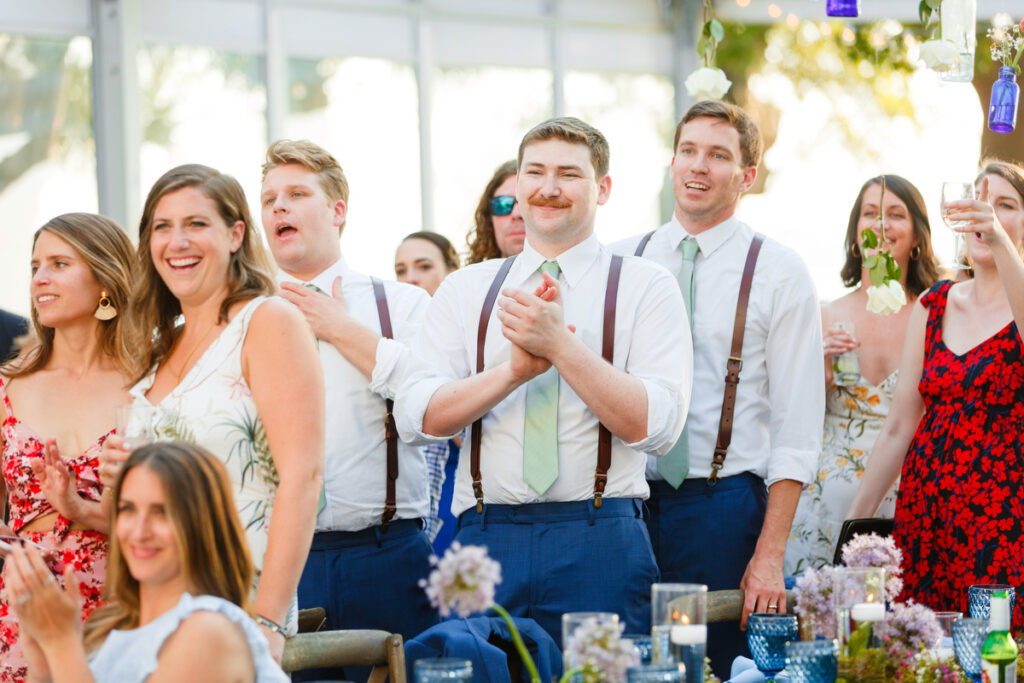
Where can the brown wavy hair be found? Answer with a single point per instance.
(109, 254)
(923, 271)
(153, 307)
(481, 241)
(212, 548)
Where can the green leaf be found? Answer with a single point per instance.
(878, 274)
(716, 29)
(704, 45)
(934, 4)
(871, 261)
(870, 239)
(859, 639)
(925, 12)
(892, 268)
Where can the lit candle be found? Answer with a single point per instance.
(868, 611)
(689, 634)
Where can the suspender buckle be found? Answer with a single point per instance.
(734, 359)
(389, 421)
(713, 478)
(478, 491)
(600, 479)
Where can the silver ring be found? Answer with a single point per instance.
(24, 598)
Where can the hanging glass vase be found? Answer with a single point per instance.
(842, 8)
(1002, 108)
(959, 26)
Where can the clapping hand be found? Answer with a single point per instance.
(47, 612)
(58, 483)
(531, 322)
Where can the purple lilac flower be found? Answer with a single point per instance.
(911, 626)
(814, 600)
(871, 550)
(463, 581)
(601, 652)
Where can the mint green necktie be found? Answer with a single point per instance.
(540, 433)
(675, 464)
(322, 503)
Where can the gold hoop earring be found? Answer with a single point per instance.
(854, 250)
(915, 253)
(106, 310)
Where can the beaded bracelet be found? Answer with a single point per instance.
(273, 626)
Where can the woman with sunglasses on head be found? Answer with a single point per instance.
(239, 376)
(57, 406)
(499, 229)
(179, 583)
(958, 414)
(425, 259)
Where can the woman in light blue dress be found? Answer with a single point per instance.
(179, 581)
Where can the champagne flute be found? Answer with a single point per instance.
(951, 192)
(136, 424)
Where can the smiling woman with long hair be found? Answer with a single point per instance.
(178, 585)
(57, 405)
(238, 375)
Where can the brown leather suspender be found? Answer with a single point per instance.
(735, 363)
(390, 431)
(604, 439)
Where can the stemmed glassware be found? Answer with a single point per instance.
(951, 192)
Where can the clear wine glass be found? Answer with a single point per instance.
(951, 192)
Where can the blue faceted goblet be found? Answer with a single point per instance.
(767, 635)
(812, 661)
(980, 598)
(654, 673)
(443, 670)
(968, 638)
(643, 645)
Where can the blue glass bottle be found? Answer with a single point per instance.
(1002, 108)
(842, 8)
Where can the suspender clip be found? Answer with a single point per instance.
(385, 519)
(600, 479)
(478, 491)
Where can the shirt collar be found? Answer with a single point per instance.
(709, 240)
(325, 280)
(573, 262)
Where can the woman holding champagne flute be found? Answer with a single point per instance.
(857, 402)
(958, 413)
(239, 376)
(57, 405)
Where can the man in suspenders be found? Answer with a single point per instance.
(552, 473)
(369, 551)
(723, 499)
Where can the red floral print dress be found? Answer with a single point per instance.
(85, 550)
(960, 512)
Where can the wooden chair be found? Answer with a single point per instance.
(326, 649)
(727, 605)
(312, 620)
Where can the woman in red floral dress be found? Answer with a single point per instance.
(957, 422)
(62, 391)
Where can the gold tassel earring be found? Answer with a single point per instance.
(106, 310)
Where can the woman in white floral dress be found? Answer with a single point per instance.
(239, 376)
(854, 414)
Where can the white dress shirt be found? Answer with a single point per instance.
(652, 344)
(355, 455)
(780, 401)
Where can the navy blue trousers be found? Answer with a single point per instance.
(568, 557)
(369, 580)
(707, 534)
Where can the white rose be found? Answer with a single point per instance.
(939, 55)
(707, 83)
(886, 298)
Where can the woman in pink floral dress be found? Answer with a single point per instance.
(57, 406)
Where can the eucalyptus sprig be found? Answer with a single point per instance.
(711, 34)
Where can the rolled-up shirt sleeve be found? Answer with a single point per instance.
(394, 363)
(437, 355)
(796, 379)
(661, 357)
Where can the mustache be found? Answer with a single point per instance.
(554, 203)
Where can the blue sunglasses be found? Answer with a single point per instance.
(502, 204)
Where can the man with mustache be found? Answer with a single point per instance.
(556, 498)
(720, 510)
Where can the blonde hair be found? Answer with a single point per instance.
(154, 308)
(109, 255)
(315, 159)
(212, 548)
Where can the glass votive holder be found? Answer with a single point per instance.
(643, 645)
(944, 647)
(655, 673)
(968, 638)
(446, 669)
(578, 628)
(812, 661)
(767, 635)
(979, 598)
(679, 629)
(859, 598)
